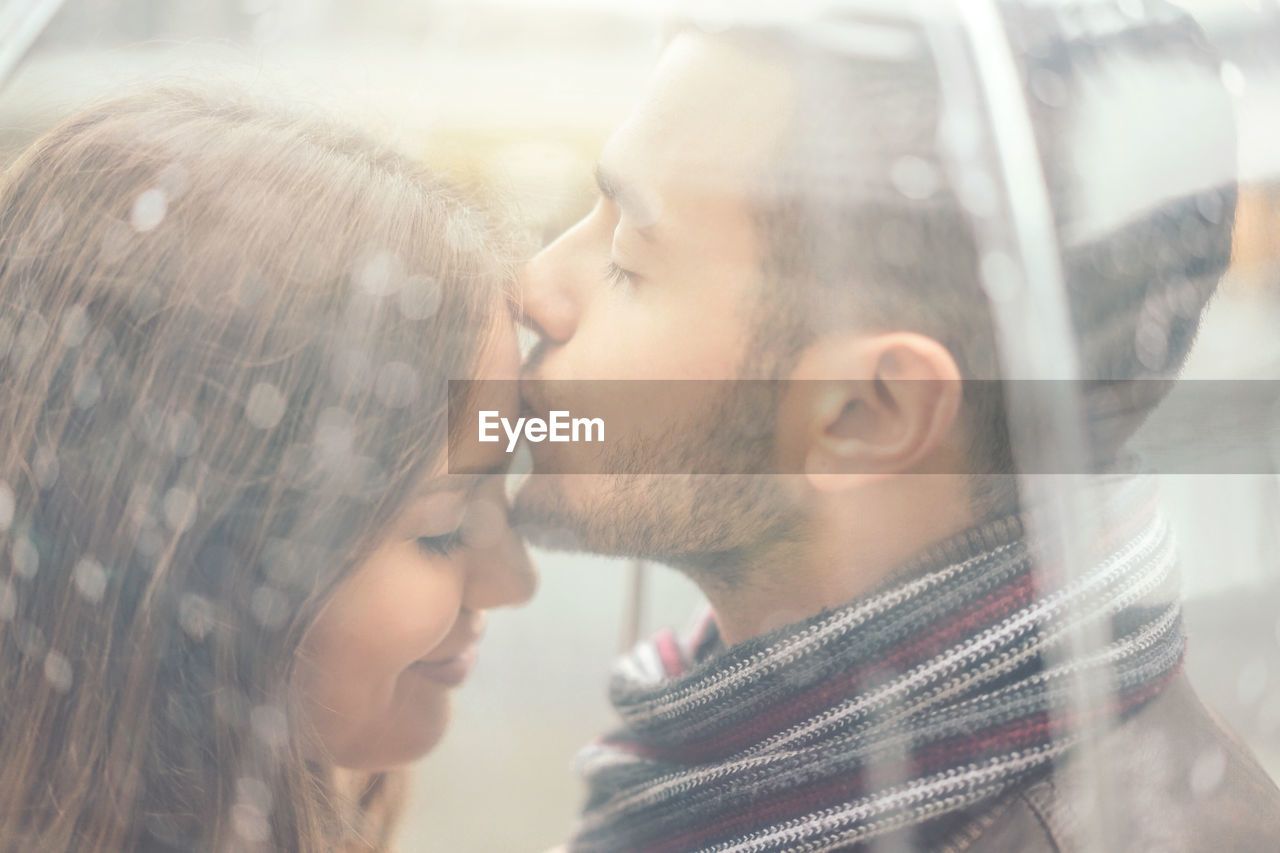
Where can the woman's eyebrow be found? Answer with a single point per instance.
(461, 481)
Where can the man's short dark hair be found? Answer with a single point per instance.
(864, 230)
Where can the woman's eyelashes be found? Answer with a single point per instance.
(442, 545)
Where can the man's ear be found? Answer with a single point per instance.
(864, 407)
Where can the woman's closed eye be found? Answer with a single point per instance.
(441, 545)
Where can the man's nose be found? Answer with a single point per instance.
(552, 292)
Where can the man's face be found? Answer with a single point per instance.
(662, 280)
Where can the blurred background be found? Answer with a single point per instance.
(516, 97)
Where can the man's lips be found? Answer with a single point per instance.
(450, 671)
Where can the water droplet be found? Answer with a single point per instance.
(184, 434)
(419, 297)
(1048, 87)
(960, 134)
(30, 338)
(231, 707)
(335, 434)
(45, 467)
(30, 640)
(282, 565)
(270, 607)
(149, 210)
(148, 421)
(1001, 278)
(397, 384)
(270, 725)
(180, 508)
(250, 823)
(195, 615)
(914, 177)
(87, 389)
(441, 513)
(90, 579)
(1207, 772)
(265, 406)
(75, 326)
(1210, 206)
(250, 790)
(463, 232)
(25, 556)
(7, 506)
(148, 541)
(8, 601)
(57, 671)
(380, 274)
(1233, 78)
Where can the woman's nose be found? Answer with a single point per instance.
(551, 291)
(501, 573)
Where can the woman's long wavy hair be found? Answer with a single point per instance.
(225, 339)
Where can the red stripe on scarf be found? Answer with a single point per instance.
(826, 793)
(794, 709)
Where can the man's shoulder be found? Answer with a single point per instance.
(1174, 779)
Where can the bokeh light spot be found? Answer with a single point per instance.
(7, 507)
(25, 557)
(265, 406)
(89, 579)
(180, 508)
(57, 671)
(149, 210)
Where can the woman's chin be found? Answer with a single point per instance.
(397, 740)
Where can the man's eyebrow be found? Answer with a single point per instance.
(607, 183)
(614, 189)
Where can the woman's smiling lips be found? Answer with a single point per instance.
(449, 672)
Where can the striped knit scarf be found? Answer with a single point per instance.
(938, 692)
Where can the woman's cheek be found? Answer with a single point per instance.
(393, 610)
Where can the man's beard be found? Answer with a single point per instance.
(700, 522)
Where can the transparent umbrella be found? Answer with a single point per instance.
(1080, 198)
(21, 22)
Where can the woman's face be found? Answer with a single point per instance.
(376, 668)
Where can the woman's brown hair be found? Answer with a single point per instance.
(225, 335)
